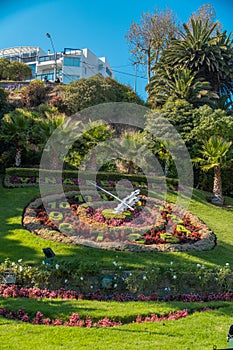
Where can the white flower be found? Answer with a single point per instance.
(91, 287)
(199, 277)
(171, 262)
(120, 267)
(43, 262)
(115, 285)
(81, 278)
(130, 274)
(66, 281)
(198, 265)
(144, 277)
(174, 277)
(21, 268)
(20, 260)
(57, 266)
(114, 263)
(227, 264)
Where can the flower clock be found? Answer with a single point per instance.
(147, 225)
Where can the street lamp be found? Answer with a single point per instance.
(55, 56)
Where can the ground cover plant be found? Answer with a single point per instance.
(199, 329)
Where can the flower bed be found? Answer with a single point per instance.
(14, 291)
(76, 321)
(151, 226)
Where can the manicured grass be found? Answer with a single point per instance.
(200, 330)
(197, 331)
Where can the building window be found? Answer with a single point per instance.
(72, 61)
(108, 71)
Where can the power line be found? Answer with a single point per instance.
(130, 74)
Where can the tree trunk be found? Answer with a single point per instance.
(18, 157)
(149, 65)
(217, 190)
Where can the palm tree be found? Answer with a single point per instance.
(181, 84)
(61, 132)
(130, 152)
(213, 154)
(17, 129)
(199, 50)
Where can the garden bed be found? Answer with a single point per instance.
(159, 226)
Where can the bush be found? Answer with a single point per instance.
(34, 94)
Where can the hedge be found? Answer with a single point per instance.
(24, 177)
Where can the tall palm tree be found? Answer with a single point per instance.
(210, 56)
(213, 156)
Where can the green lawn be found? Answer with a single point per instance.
(201, 330)
(197, 331)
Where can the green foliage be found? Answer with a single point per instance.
(208, 122)
(34, 94)
(14, 70)
(93, 133)
(4, 65)
(204, 53)
(109, 214)
(4, 105)
(95, 90)
(213, 156)
(179, 113)
(17, 129)
(213, 152)
(18, 71)
(179, 84)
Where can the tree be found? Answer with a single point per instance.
(4, 105)
(129, 152)
(4, 64)
(92, 133)
(150, 36)
(180, 84)
(95, 90)
(34, 94)
(213, 156)
(210, 57)
(18, 71)
(206, 13)
(208, 122)
(179, 113)
(16, 130)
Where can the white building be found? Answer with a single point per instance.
(68, 66)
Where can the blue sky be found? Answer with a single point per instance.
(99, 25)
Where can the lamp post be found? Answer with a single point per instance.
(55, 56)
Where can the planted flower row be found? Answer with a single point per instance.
(76, 321)
(13, 291)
